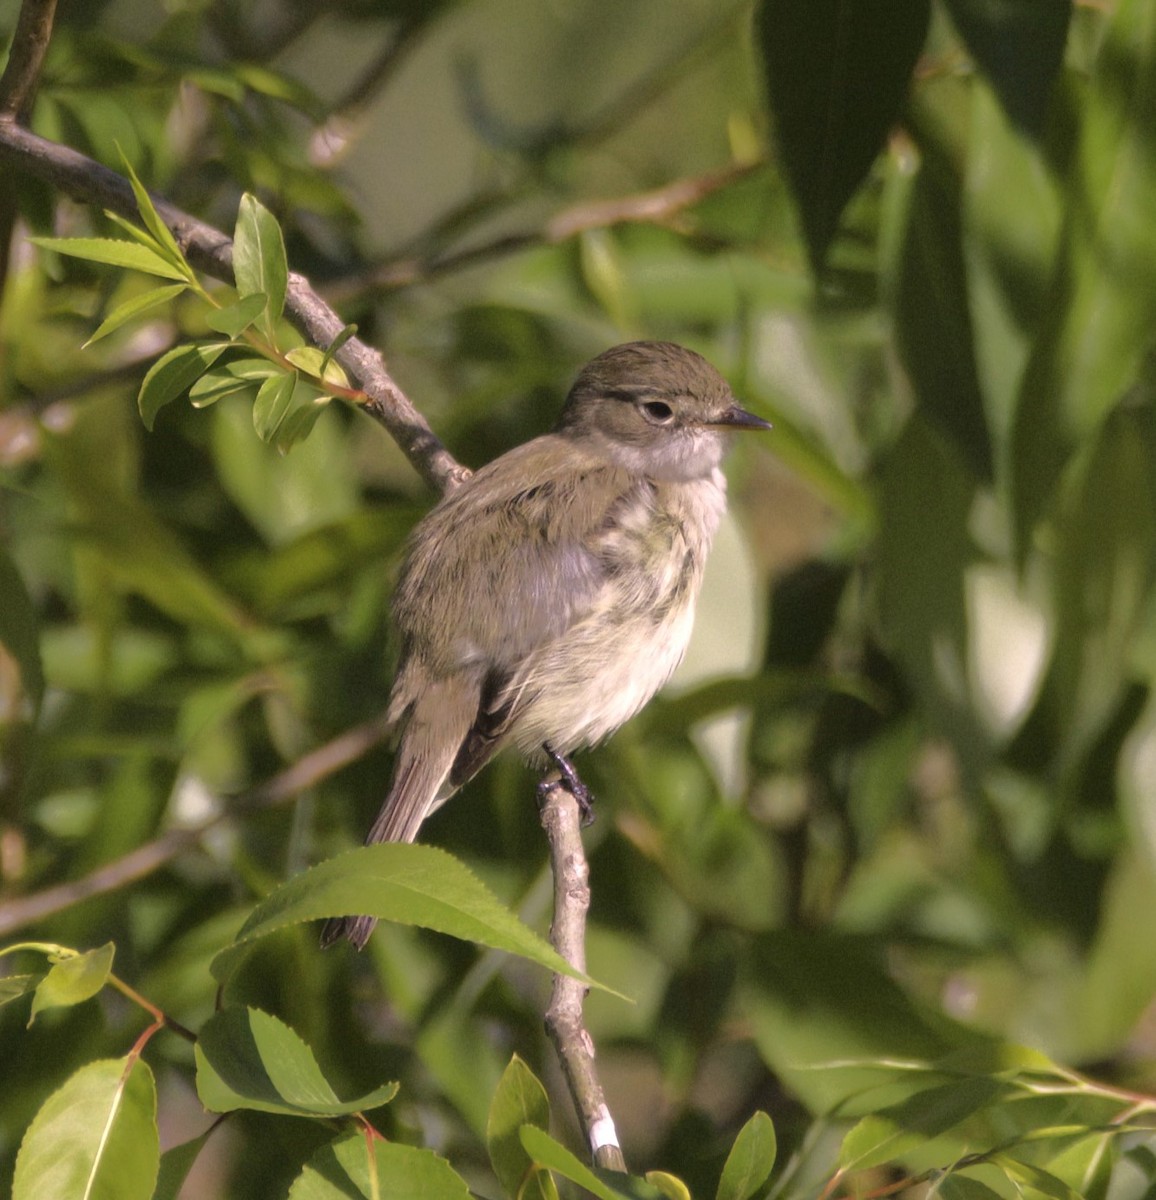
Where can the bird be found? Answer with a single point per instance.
(544, 601)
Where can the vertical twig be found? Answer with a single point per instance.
(564, 1020)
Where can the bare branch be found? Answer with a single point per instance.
(308, 771)
(211, 251)
(656, 207)
(25, 58)
(564, 1020)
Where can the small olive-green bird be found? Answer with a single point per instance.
(548, 598)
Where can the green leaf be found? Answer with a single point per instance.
(749, 1164)
(932, 317)
(1035, 1177)
(116, 253)
(307, 407)
(837, 75)
(259, 262)
(962, 1187)
(73, 980)
(895, 1131)
(236, 318)
(248, 1059)
(668, 1185)
(1019, 46)
(123, 313)
(175, 1165)
(343, 1170)
(410, 884)
(174, 373)
(334, 346)
(520, 1099)
(273, 403)
(94, 1137)
(310, 360)
(19, 633)
(163, 240)
(1102, 303)
(240, 375)
(552, 1155)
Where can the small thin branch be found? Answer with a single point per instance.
(655, 207)
(306, 772)
(210, 251)
(26, 58)
(564, 1019)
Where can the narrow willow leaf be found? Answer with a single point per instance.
(73, 980)
(345, 1170)
(94, 1137)
(247, 1059)
(519, 1099)
(837, 77)
(749, 1164)
(552, 1155)
(334, 346)
(307, 406)
(174, 373)
(272, 405)
(235, 319)
(310, 360)
(166, 244)
(115, 252)
(410, 884)
(259, 261)
(123, 313)
(1019, 46)
(216, 385)
(1101, 310)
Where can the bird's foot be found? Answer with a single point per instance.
(572, 783)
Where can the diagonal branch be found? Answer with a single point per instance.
(210, 251)
(25, 58)
(655, 207)
(305, 773)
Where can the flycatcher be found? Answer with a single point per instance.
(548, 598)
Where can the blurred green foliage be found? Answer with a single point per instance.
(896, 819)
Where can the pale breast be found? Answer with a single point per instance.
(581, 686)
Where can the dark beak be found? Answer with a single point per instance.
(739, 418)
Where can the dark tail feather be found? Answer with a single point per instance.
(427, 751)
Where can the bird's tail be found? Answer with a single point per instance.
(429, 744)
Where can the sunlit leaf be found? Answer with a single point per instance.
(130, 309)
(73, 979)
(130, 255)
(520, 1099)
(236, 318)
(412, 884)
(273, 403)
(259, 261)
(348, 1169)
(247, 1059)
(174, 373)
(750, 1161)
(546, 1152)
(95, 1137)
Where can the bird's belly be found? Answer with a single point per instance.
(596, 679)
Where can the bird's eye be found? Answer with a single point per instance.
(658, 412)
